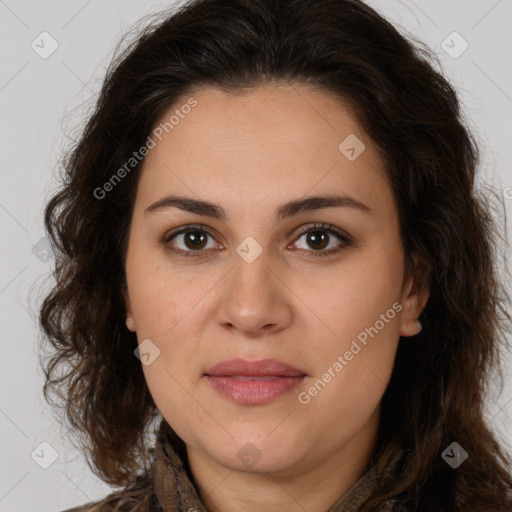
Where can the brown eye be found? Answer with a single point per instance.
(321, 236)
(190, 241)
(194, 239)
(317, 240)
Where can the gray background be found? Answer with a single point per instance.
(42, 106)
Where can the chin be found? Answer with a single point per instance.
(256, 454)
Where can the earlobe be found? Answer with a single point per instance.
(414, 300)
(410, 328)
(409, 323)
(130, 322)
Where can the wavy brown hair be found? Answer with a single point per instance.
(440, 382)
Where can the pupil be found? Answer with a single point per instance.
(195, 238)
(317, 237)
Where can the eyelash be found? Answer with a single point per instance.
(342, 237)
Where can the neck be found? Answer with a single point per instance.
(315, 483)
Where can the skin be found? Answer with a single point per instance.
(250, 153)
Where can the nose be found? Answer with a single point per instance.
(255, 300)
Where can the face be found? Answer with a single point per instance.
(317, 286)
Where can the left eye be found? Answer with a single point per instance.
(320, 237)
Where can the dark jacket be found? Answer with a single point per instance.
(169, 487)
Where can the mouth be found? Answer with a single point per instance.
(253, 382)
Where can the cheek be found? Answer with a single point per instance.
(168, 315)
(354, 356)
(352, 377)
(160, 299)
(173, 398)
(354, 297)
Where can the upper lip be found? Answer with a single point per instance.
(261, 368)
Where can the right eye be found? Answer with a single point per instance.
(192, 239)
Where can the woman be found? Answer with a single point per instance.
(270, 245)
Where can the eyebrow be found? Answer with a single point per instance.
(284, 211)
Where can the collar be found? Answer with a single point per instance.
(176, 492)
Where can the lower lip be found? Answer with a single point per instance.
(253, 392)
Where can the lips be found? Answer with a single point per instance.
(253, 382)
(262, 368)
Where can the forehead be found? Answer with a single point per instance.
(270, 141)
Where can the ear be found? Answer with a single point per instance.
(415, 295)
(130, 322)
